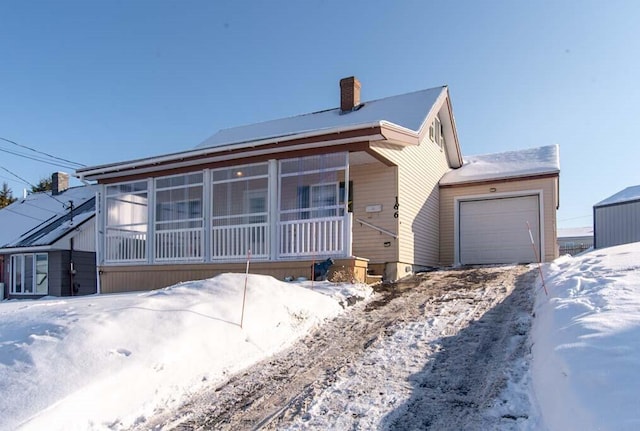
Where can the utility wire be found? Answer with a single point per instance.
(574, 218)
(22, 214)
(64, 205)
(41, 152)
(38, 159)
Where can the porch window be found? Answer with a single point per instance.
(30, 274)
(240, 212)
(312, 205)
(179, 219)
(126, 222)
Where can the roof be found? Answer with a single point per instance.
(40, 218)
(510, 164)
(572, 232)
(627, 195)
(396, 119)
(408, 111)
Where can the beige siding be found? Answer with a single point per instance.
(114, 279)
(419, 171)
(549, 187)
(374, 184)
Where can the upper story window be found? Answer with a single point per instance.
(30, 274)
(436, 133)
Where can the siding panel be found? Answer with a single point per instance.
(549, 187)
(617, 224)
(374, 184)
(420, 169)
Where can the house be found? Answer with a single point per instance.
(575, 240)
(616, 219)
(47, 242)
(360, 183)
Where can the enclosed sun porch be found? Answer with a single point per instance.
(283, 215)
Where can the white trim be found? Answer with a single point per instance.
(488, 196)
(34, 274)
(273, 200)
(117, 169)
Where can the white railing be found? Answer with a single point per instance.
(312, 237)
(234, 242)
(179, 245)
(125, 246)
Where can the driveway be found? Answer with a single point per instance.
(434, 351)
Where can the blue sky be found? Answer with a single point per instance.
(103, 81)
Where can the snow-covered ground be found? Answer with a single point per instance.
(586, 341)
(115, 361)
(100, 362)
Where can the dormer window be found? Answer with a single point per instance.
(436, 133)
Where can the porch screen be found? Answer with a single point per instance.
(312, 205)
(239, 212)
(126, 222)
(179, 220)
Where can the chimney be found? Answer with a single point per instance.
(59, 183)
(349, 93)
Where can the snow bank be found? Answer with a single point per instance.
(586, 341)
(110, 361)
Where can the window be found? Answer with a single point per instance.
(240, 212)
(30, 274)
(179, 220)
(324, 200)
(126, 222)
(436, 132)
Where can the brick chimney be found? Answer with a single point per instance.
(59, 183)
(349, 93)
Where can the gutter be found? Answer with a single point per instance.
(221, 153)
(83, 173)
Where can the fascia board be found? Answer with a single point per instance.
(96, 171)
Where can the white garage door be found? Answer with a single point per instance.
(495, 230)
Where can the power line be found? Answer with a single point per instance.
(38, 159)
(41, 152)
(575, 218)
(27, 182)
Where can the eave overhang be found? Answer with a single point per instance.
(502, 179)
(318, 140)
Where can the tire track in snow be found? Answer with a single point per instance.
(318, 381)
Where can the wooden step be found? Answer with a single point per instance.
(373, 279)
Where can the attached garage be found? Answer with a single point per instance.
(495, 230)
(485, 206)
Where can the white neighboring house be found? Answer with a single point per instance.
(47, 243)
(616, 219)
(575, 240)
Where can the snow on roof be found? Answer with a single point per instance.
(406, 110)
(569, 232)
(629, 194)
(38, 210)
(510, 164)
(48, 233)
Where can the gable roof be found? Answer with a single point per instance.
(399, 120)
(41, 219)
(510, 164)
(409, 111)
(629, 194)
